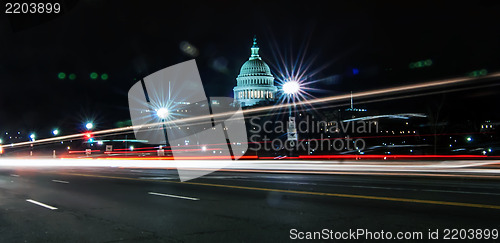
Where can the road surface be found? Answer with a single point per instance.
(151, 205)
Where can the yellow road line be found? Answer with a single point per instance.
(394, 199)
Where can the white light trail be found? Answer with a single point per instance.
(292, 166)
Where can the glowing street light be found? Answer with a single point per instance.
(89, 125)
(469, 139)
(291, 87)
(162, 113)
(55, 132)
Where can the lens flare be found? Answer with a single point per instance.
(162, 113)
(291, 87)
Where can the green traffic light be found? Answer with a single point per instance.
(61, 75)
(104, 76)
(477, 73)
(421, 64)
(93, 75)
(72, 76)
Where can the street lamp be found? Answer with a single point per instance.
(162, 113)
(55, 132)
(291, 87)
(89, 125)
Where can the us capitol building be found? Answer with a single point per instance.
(255, 83)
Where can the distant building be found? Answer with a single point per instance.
(255, 83)
(488, 126)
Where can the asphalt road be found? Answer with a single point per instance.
(137, 205)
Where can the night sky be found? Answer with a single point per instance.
(129, 40)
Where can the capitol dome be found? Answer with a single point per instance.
(255, 83)
(255, 67)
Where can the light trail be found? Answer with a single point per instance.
(364, 94)
(384, 99)
(82, 151)
(385, 91)
(470, 167)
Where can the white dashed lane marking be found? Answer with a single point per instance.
(58, 181)
(174, 196)
(41, 204)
